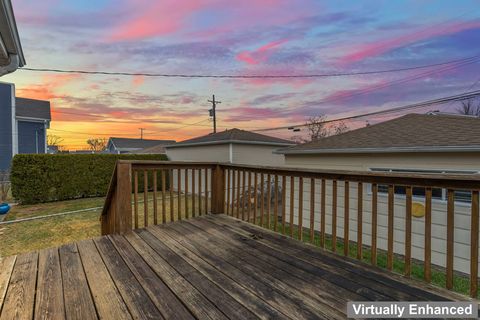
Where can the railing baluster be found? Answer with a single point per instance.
(135, 197)
(234, 172)
(474, 245)
(164, 205)
(269, 199)
(249, 203)
(179, 186)
(450, 237)
(255, 198)
(300, 208)
(408, 231)
(323, 214)
(334, 215)
(170, 178)
(346, 219)
(284, 202)
(244, 180)
(292, 204)
(206, 190)
(262, 199)
(428, 235)
(199, 192)
(391, 199)
(187, 215)
(145, 198)
(275, 205)
(359, 220)
(374, 224)
(155, 203)
(228, 192)
(312, 210)
(193, 193)
(238, 194)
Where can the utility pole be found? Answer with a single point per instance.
(141, 133)
(213, 112)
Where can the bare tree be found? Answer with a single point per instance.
(470, 107)
(339, 128)
(97, 144)
(316, 128)
(297, 139)
(54, 140)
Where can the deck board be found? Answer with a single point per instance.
(209, 267)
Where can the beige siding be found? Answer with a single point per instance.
(411, 161)
(257, 155)
(217, 153)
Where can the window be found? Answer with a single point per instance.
(437, 193)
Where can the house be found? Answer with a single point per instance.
(11, 54)
(234, 146)
(414, 143)
(158, 149)
(23, 125)
(126, 145)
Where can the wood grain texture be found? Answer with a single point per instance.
(346, 218)
(107, 299)
(474, 220)
(360, 221)
(6, 268)
(334, 215)
(78, 299)
(49, 303)
(373, 258)
(19, 300)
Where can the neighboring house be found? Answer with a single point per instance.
(159, 149)
(11, 54)
(414, 143)
(234, 146)
(125, 145)
(23, 125)
(52, 149)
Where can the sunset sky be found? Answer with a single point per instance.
(237, 38)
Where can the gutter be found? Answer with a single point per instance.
(12, 66)
(381, 150)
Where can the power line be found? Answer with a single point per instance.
(233, 76)
(459, 97)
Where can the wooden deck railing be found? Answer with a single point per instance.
(318, 204)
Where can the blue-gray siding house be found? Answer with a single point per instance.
(23, 125)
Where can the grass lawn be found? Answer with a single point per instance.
(461, 283)
(43, 233)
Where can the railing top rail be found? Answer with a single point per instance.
(455, 181)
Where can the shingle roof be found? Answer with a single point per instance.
(31, 108)
(158, 149)
(233, 136)
(125, 143)
(412, 132)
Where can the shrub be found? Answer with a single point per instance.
(37, 178)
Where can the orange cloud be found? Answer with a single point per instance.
(138, 80)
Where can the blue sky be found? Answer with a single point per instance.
(241, 38)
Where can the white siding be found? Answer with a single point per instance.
(261, 155)
(412, 161)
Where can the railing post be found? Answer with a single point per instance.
(123, 199)
(218, 189)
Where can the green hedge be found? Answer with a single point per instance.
(40, 178)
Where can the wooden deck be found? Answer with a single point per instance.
(212, 267)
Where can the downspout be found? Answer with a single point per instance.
(12, 66)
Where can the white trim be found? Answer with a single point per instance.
(230, 152)
(14, 122)
(31, 119)
(460, 148)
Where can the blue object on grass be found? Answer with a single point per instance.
(4, 208)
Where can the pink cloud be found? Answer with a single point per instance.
(261, 54)
(372, 49)
(154, 18)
